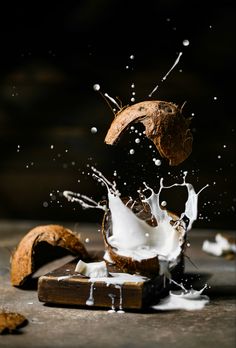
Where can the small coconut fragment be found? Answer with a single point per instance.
(92, 269)
(10, 322)
(41, 245)
(164, 125)
(223, 246)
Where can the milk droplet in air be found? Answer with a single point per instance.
(131, 151)
(163, 203)
(52, 147)
(186, 42)
(96, 87)
(215, 98)
(87, 240)
(132, 56)
(133, 85)
(157, 162)
(137, 140)
(94, 130)
(132, 99)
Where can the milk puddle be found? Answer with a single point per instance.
(184, 299)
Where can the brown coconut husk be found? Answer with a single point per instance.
(39, 246)
(164, 125)
(11, 322)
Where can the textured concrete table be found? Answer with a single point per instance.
(51, 326)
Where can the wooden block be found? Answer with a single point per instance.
(57, 287)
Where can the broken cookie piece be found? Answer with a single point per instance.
(10, 322)
(41, 245)
(164, 125)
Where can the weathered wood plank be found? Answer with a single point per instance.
(57, 287)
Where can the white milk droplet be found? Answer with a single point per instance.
(163, 203)
(137, 140)
(52, 147)
(131, 151)
(186, 42)
(132, 56)
(94, 130)
(157, 162)
(132, 99)
(127, 67)
(215, 98)
(87, 240)
(133, 85)
(96, 87)
(219, 156)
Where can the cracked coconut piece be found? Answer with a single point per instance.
(10, 322)
(149, 267)
(164, 125)
(41, 245)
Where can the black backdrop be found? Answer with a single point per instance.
(51, 56)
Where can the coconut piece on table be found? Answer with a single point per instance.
(10, 322)
(92, 269)
(39, 246)
(223, 245)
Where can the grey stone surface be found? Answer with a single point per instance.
(51, 326)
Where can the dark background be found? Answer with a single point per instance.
(51, 56)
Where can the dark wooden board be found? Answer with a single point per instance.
(76, 290)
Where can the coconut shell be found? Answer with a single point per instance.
(164, 125)
(10, 322)
(41, 245)
(146, 267)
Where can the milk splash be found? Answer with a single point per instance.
(135, 238)
(132, 236)
(186, 299)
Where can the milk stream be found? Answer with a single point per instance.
(113, 309)
(133, 237)
(116, 279)
(90, 300)
(164, 77)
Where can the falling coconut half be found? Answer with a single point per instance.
(164, 125)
